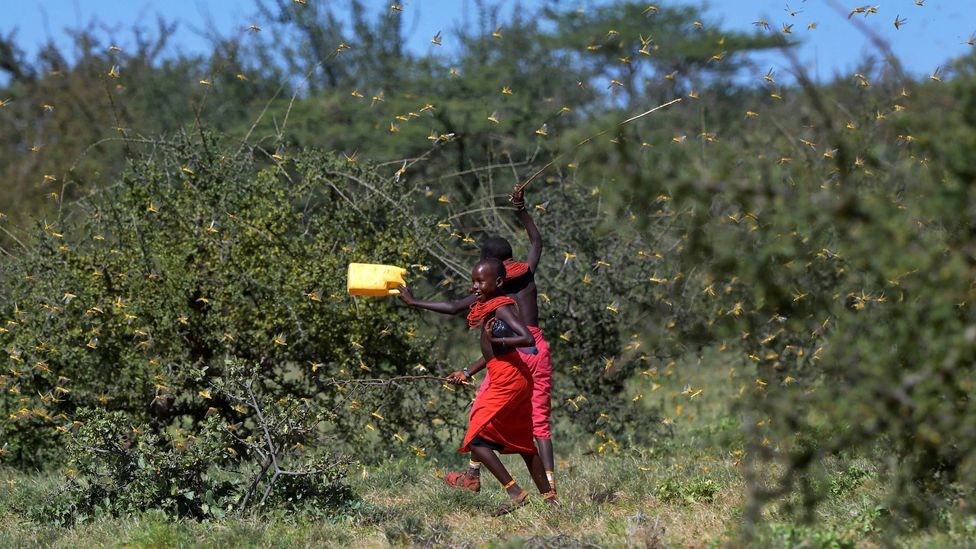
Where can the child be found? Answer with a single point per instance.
(501, 415)
(519, 285)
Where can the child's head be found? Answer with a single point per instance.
(496, 247)
(487, 278)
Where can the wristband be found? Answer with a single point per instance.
(519, 203)
(466, 374)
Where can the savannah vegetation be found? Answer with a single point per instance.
(759, 300)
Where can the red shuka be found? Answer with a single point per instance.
(503, 412)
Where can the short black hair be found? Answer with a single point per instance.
(496, 247)
(494, 264)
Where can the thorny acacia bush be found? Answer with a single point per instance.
(599, 298)
(199, 258)
(838, 265)
(599, 295)
(117, 467)
(195, 257)
(256, 460)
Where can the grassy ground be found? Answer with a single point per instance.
(684, 490)
(605, 501)
(691, 497)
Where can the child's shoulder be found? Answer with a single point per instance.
(509, 308)
(501, 329)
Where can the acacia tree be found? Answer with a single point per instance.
(831, 271)
(309, 77)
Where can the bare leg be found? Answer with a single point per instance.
(488, 458)
(474, 468)
(545, 453)
(538, 472)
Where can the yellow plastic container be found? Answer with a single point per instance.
(375, 280)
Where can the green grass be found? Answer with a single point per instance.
(683, 490)
(606, 501)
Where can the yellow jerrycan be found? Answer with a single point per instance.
(376, 280)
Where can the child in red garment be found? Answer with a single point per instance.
(501, 415)
(520, 286)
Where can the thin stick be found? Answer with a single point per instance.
(388, 380)
(14, 238)
(592, 137)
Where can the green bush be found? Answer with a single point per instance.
(256, 460)
(840, 272)
(848, 480)
(684, 490)
(199, 255)
(119, 468)
(148, 299)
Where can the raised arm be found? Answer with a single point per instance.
(535, 239)
(443, 307)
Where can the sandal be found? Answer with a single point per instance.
(463, 481)
(512, 504)
(550, 498)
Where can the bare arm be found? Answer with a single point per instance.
(477, 366)
(523, 337)
(458, 377)
(443, 307)
(535, 239)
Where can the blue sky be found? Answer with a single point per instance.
(932, 34)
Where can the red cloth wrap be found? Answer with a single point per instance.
(515, 269)
(503, 412)
(540, 366)
(481, 309)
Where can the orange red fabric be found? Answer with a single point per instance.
(481, 309)
(539, 363)
(540, 366)
(503, 412)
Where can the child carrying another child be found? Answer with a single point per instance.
(501, 417)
